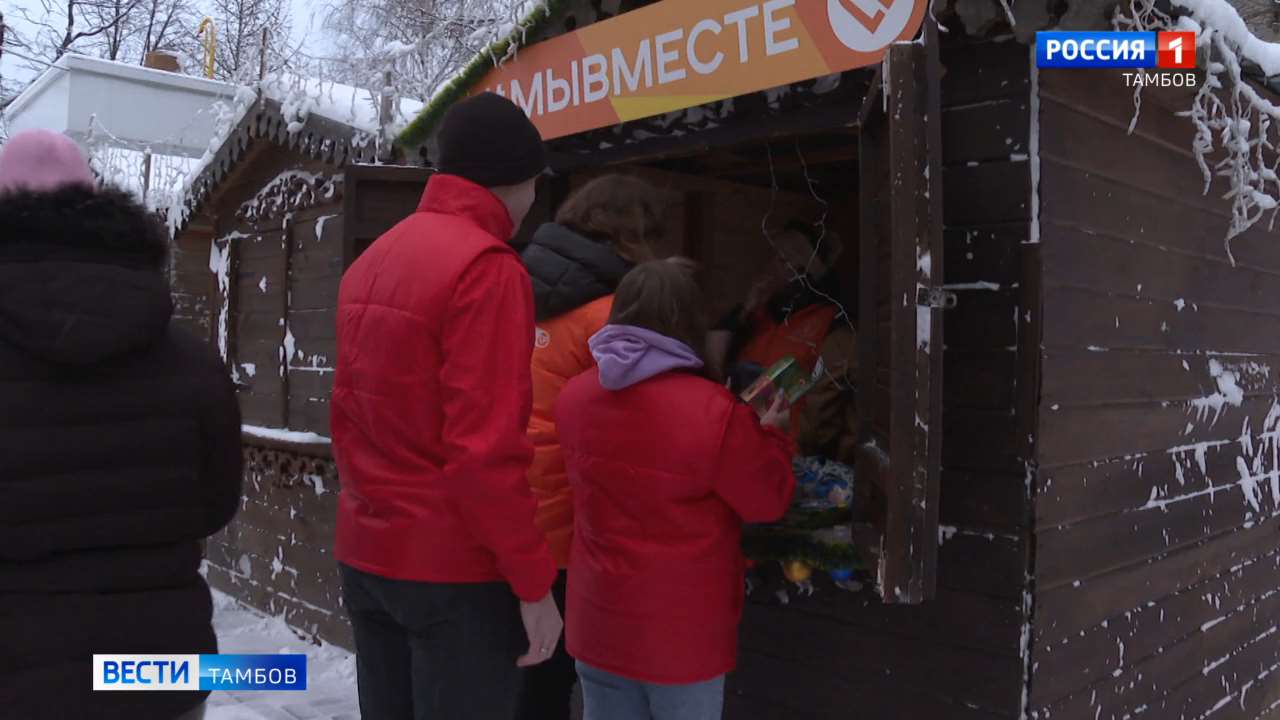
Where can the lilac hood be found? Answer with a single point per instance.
(628, 355)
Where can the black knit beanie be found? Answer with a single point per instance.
(488, 140)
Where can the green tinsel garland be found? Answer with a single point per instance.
(417, 131)
(792, 539)
(805, 519)
(763, 546)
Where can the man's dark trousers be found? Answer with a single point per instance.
(434, 651)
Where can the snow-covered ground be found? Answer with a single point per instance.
(331, 671)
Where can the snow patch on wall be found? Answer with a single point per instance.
(288, 348)
(220, 266)
(316, 482)
(1257, 461)
(924, 327)
(924, 265)
(320, 223)
(1228, 391)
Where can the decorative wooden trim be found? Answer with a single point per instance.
(333, 143)
(290, 193)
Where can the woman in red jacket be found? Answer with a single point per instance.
(665, 466)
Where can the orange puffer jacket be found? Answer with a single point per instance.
(560, 353)
(573, 282)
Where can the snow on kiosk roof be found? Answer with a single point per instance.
(330, 121)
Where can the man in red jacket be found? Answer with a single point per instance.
(445, 577)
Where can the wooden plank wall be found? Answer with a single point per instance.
(194, 287)
(315, 271)
(846, 655)
(286, 283)
(276, 555)
(1157, 553)
(259, 322)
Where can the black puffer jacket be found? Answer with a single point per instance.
(569, 270)
(119, 452)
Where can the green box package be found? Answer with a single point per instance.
(785, 376)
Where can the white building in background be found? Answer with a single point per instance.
(119, 113)
(138, 107)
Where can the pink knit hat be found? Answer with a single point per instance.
(42, 161)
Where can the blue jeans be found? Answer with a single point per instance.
(609, 697)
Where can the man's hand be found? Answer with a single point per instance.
(543, 625)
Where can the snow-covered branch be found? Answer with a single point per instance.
(1233, 121)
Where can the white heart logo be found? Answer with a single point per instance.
(868, 25)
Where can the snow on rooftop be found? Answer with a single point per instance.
(301, 96)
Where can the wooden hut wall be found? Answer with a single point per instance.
(282, 220)
(194, 288)
(277, 554)
(959, 656)
(278, 222)
(315, 271)
(1157, 554)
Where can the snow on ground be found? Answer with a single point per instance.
(331, 671)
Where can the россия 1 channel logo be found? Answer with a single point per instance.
(200, 672)
(1124, 50)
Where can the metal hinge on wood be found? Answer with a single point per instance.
(936, 298)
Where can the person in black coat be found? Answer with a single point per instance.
(119, 445)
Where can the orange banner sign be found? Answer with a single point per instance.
(680, 53)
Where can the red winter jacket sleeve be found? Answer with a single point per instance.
(484, 377)
(753, 469)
